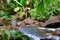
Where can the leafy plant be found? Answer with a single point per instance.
(8, 8)
(12, 35)
(5, 35)
(12, 6)
(43, 9)
(15, 33)
(17, 3)
(5, 14)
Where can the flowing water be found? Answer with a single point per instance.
(34, 33)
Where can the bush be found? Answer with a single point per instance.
(43, 9)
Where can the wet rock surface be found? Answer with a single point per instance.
(58, 31)
(53, 22)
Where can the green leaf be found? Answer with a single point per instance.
(15, 33)
(23, 2)
(16, 9)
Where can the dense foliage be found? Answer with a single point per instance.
(11, 7)
(12, 35)
(43, 9)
